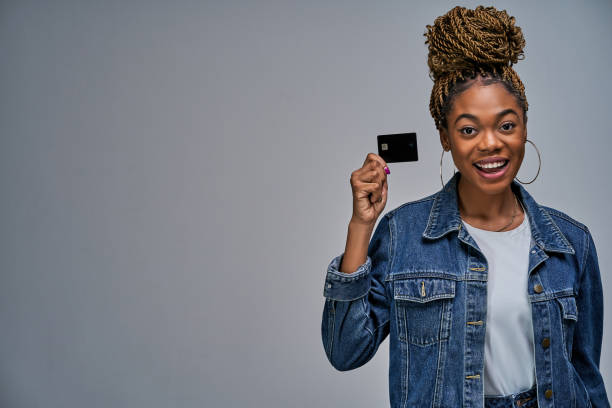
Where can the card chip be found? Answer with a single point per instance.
(384, 146)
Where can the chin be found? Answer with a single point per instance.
(497, 189)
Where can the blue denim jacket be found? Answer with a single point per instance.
(424, 283)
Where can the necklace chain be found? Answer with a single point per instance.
(513, 215)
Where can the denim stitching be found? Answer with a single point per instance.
(429, 299)
(433, 215)
(406, 372)
(544, 296)
(381, 325)
(446, 324)
(566, 217)
(552, 377)
(565, 313)
(558, 232)
(365, 316)
(428, 198)
(421, 201)
(564, 340)
(535, 365)
(435, 402)
(347, 300)
(390, 252)
(586, 245)
(423, 273)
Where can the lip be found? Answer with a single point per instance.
(496, 175)
(491, 160)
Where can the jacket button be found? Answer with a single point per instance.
(548, 394)
(538, 288)
(546, 342)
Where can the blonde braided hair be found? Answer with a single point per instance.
(464, 43)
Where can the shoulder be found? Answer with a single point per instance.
(409, 219)
(413, 209)
(576, 232)
(564, 221)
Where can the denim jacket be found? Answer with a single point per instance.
(424, 283)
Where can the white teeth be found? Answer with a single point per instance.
(491, 165)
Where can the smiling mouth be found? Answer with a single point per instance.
(492, 167)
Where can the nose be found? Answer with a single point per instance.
(489, 141)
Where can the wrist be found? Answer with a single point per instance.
(357, 225)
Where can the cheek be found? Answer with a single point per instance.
(521, 151)
(461, 157)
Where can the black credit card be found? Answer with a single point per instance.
(398, 147)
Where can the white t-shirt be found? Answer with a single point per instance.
(509, 365)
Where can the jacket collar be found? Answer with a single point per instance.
(444, 217)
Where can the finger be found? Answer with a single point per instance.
(371, 176)
(375, 157)
(369, 157)
(376, 195)
(382, 201)
(368, 188)
(374, 172)
(383, 196)
(384, 191)
(380, 166)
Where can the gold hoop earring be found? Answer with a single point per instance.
(539, 164)
(441, 168)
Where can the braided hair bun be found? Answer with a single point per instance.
(465, 42)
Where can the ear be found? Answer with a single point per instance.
(444, 140)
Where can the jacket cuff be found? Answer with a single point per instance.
(347, 286)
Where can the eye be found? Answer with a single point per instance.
(508, 126)
(468, 130)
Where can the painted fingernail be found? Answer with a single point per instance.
(387, 170)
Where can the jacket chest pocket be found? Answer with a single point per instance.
(423, 308)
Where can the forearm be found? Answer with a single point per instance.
(356, 249)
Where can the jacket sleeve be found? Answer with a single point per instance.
(356, 311)
(588, 332)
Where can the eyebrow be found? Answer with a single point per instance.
(499, 115)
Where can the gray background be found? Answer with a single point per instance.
(175, 180)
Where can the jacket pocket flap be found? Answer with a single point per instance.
(568, 306)
(424, 289)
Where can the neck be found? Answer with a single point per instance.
(476, 205)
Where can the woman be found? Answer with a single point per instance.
(488, 298)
